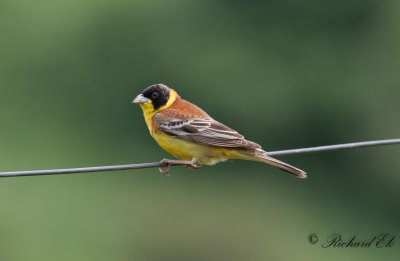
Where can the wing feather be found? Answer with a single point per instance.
(203, 130)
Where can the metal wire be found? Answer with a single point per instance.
(159, 164)
(335, 147)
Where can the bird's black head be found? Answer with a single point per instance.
(158, 94)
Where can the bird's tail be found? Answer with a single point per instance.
(262, 157)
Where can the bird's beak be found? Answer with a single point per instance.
(140, 99)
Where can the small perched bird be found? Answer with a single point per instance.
(191, 135)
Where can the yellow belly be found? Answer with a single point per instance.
(198, 153)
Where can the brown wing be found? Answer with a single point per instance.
(188, 122)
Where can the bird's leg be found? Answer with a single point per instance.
(193, 165)
(165, 170)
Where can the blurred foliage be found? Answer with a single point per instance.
(286, 74)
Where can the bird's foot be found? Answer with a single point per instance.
(165, 170)
(193, 166)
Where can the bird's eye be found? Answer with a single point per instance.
(154, 95)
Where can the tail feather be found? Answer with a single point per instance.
(260, 156)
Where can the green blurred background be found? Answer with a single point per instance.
(286, 74)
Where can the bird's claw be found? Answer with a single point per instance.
(165, 170)
(192, 166)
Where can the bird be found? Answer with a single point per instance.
(193, 137)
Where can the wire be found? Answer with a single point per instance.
(160, 164)
(335, 147)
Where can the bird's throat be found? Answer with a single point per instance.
(149, 111)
